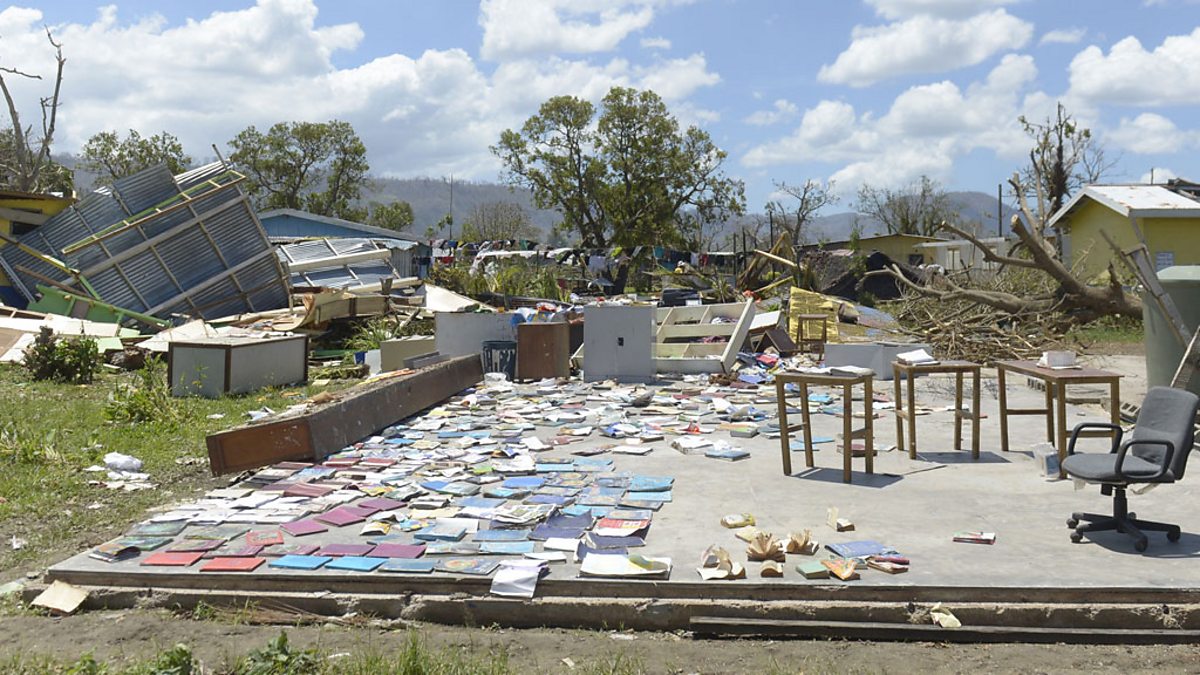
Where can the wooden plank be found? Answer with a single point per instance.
(358, 413)
(1187, 365)
(710, 626)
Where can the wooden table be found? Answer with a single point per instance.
(847, 383)
(959, 368)
(1056, 382)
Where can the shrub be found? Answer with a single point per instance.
(146, 399)
(75, 360)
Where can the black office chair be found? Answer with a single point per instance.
(1155, 452)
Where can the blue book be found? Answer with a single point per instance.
(501, 535)
(729, 454)
(480, 502)
(859, 549)
(506, 547)
(544, 532)
(355, 563)
(632, 496)
(547, 467)
(406, 566)
(605, 543)
(798, 443)
(548, 499)
(650, 483)
(582, 522)
(523, 482)
(300, 562)
(440, 533)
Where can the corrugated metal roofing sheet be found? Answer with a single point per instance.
(205, 255)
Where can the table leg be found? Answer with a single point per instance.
(847, 431)
(898, 411)
(785, 438)
(1060, 390)
(869, 443)
(975, 415)
(807, 422)
(912, 414)
(958, 399)
(1003, 408)
(1050, 393)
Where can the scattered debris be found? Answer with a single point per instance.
(61, 598)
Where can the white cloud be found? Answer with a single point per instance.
(1158, 175)
(1130, 75)
(780, 111)
(208, 78)
(899, 9)
(924, 131)
(525, 27)
(1063, 36)
(1151, 134)
(924, 44)
(656, 43)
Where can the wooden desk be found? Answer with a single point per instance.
(959, 368)
(803, 381)
(1056, 382)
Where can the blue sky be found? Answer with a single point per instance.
(877, 91)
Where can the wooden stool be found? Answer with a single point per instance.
(812, 343)
(959, 368)
(803, 381)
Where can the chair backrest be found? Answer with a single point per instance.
(1167, 414)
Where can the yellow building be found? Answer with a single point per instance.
(1169, 221)
(903, 248)
(20, 213)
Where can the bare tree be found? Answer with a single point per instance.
(26, 163)
(918, 208)
(1064, 158)
(1055, 155)
(811, 197)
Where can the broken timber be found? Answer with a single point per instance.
(327, 428)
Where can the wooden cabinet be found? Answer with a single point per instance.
(543, 350)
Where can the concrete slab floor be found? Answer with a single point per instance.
(912, 505)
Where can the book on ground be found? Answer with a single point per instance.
(975, 537)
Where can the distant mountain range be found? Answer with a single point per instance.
(976, 211)
(431, 201)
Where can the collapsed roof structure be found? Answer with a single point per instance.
(170, 246)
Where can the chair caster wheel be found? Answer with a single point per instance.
(1132, 516)
(1072, 523)
(1076, 537)
(1140, 545)
(1173, 535)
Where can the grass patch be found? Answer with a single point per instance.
(49, 432)
(280, 657)
(1109, 330)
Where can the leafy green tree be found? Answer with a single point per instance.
(627, 176)
(319, 167)
(918, 208)
(396, 215)
(498, 220)
(110, 157)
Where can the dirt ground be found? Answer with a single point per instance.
(138, 634)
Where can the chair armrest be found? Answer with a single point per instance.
(1119, 432)
(1162, 471)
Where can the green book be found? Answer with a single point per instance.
(813, 569)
